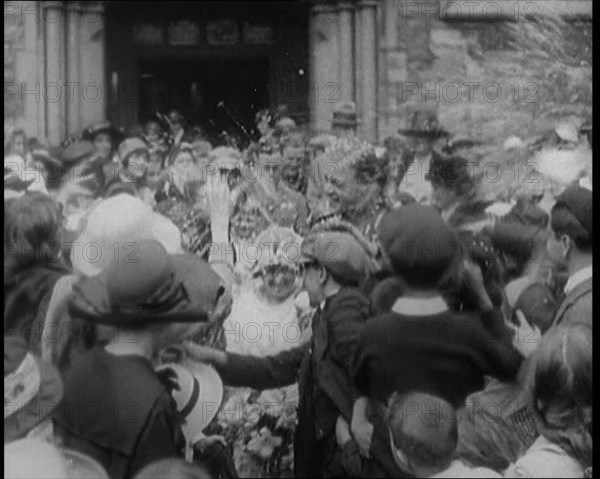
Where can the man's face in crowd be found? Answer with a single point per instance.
(293, 164)
(138, 165)
(183, 163)
(558, 247)
(103, 145)
(343, 192)
(152, 131)
(154, 167)
(19, 145)
(176, 127)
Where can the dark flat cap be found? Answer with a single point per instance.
(340, 253)
(420, 245)
(578, 202)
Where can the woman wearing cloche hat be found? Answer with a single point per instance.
(139, 299)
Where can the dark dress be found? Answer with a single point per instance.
(116, 410)
(26, 297)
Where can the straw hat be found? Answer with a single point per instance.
(32, 389)
(198, 397)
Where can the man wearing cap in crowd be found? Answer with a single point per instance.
(338, 262)
(570, 242)
(402, 350)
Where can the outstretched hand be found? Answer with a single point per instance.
(219, 200)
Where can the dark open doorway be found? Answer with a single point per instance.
(197, 87)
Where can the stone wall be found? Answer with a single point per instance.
(14, 43)
(482, 79)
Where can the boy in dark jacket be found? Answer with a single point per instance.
(420, 344)
(336, 263)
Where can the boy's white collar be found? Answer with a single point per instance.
(419, 306)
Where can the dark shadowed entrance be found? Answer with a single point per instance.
(196, 88)
(194, 55)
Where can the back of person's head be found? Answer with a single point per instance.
(486, 439)
(173, 469)
(423, 432)
(560, 388)
(32, 230)
(421, 247)
(538, 305)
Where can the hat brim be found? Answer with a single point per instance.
(424, 133)
(192, 298)
(211, 390)
(40, 407)
(116, 134)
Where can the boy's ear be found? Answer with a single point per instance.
(323, 274)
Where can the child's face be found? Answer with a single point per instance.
(279, 282)
(103, 144)
(154, 168)
(138, 164)
(183, 163)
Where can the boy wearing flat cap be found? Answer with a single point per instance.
(421, 344)
(337, 263)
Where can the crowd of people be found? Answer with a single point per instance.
(157, 282)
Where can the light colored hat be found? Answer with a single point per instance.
(28, 458)
(131, 145)
(226, 158)
(199, 396)
(112, 228)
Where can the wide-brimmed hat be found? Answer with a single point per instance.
(104, 127)
(198, 396)
(28, 458)
(32, 389)
(152, 286)
(45, 157)
(117, 222)
(77, 152)
(424, 124)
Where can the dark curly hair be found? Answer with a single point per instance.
(32, 231)
(452, 173)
